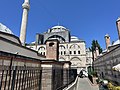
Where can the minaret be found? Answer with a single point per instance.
(107, 41)
(118, 27)
(26, 8)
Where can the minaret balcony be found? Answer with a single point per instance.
(26, 5)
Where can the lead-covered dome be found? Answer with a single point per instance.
(57, 29)
(74, 38)
(3, 28)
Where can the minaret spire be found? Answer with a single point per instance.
(26, 7)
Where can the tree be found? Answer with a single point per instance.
(94, 45)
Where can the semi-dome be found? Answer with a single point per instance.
(74, 38)
(57, 29)
(3, 28)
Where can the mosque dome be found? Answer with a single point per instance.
(74, 38)
(3, 28)
(57, 29)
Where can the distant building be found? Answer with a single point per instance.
(71, 48)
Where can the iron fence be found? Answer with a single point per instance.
(19, 72)
(20, 78)
(25, 73)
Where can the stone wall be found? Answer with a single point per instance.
(52, 75)
(103, 65)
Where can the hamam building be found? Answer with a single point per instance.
(109, 58)
(71, 48)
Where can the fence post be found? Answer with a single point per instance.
(10, 70)
(14, 77)
(1, 79)
(40, 79)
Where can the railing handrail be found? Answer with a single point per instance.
(72, 85)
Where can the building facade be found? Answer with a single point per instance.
(104, 63)
(18, 61)
(109, 58)
(70, 47)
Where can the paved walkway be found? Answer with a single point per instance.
(84, 84)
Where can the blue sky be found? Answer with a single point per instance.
(86, 19)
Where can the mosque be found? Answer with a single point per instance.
(48, 59)
(71, 48)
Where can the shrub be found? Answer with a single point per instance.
(110, 86)
(118, 88)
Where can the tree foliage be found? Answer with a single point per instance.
(94, 45)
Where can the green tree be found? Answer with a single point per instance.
(94, 45)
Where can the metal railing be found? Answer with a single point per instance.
(69, 80)
(19, 72)
(72, 86)
(25, 73)
(19, 78)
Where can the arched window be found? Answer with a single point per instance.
(61, 53)
(62, 50)
(70, 52)
(60, 38)
(74, 52)
(78, 52)
(43, 53)
(42, 50)
(62, 47)
(75, 48)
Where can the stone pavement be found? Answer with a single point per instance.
(84, 84)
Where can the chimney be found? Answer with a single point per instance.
(118, 27)
(94, 53)
(52, 49)
(97, 51)
(107, 41)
